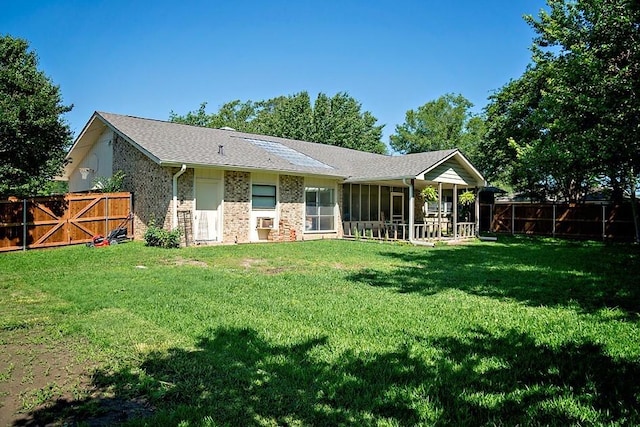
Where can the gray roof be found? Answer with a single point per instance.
(170, 143)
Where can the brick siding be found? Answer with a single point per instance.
(237, 202)
(291, 203)
(151, 185)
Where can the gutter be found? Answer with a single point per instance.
(174, 213)
(351, 180)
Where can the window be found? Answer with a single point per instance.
(320, 208)
(355, 202)
(263, 196)
(373, 206)
(346, 202)
(364, 203)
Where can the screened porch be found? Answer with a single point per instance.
(388, 211)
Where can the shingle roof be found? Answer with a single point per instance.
(174, 143)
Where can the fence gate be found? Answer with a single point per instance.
(61, 220)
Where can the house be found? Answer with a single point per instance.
(232, 186)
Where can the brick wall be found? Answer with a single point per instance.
(152, 190)
(237, 198)
(151, 185)
(291, 203)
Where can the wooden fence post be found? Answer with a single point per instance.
(106, 215)
(133, 216)
(553, 229)
(604, 221)
(493, 220)
(24, 224)
(513, 218)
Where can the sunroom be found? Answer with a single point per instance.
(439, 203)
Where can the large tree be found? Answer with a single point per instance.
(286, 117)
(235, 114)
(34, 137)
(444, 123)
(336, 120)
(572, 121)
(339, 121)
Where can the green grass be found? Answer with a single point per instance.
(522, 331)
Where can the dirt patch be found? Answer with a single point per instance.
(185, 261)
(192, 262)
(250, 262)
(45, 382)
(262, 266)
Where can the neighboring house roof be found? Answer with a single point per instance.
(174, 144)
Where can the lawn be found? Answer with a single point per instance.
(519, 331)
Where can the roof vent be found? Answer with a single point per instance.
(221, 150)
(227, 128)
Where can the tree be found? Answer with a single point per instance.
(235, 114)
(573, 118)
(339, 121)
(336, 121)
(286, 117)
(34, 137)
(441, 124)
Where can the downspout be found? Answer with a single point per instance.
(174, 216)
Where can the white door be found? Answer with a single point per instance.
(206, 215)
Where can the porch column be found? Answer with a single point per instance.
(412, 209)
(477, 211)
(454, 211)
(439, 210)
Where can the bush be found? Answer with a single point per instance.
(111, 184)
(156, 236)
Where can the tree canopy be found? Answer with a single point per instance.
(571, 122)
(444, 123)
(34, 137)
(336, 120)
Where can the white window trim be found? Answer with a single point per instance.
(335, 209)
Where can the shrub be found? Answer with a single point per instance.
(156, 236)
(111, 184)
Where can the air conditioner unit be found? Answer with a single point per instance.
(265, 223)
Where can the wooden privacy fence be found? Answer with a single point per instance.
(69, 219)
(582, 221)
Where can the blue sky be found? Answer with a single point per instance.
(148, 58)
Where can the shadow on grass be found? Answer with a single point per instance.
(588, 275)
(236, 377)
